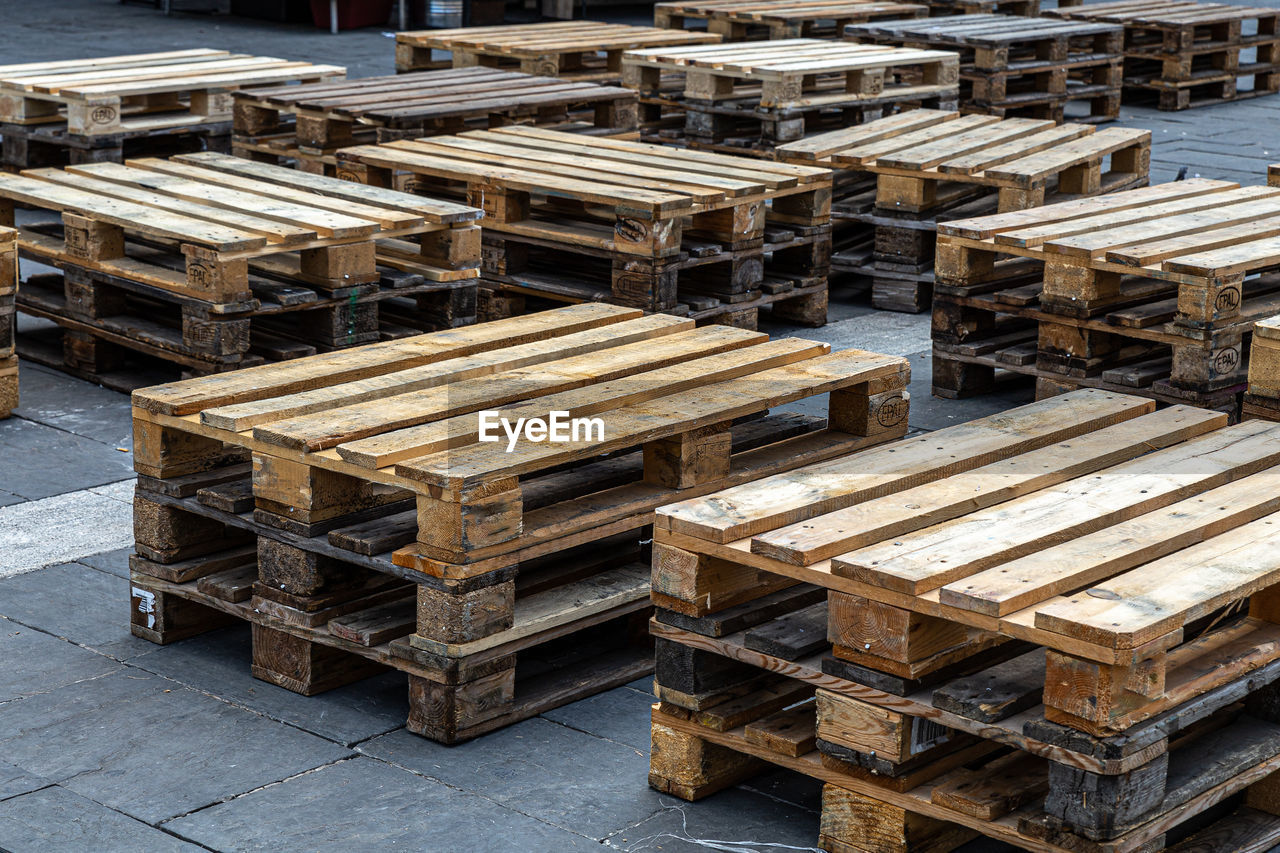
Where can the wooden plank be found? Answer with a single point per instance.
(986, 227)
(821, 146)
(646, 362)
(1139, 605)
(995, 789)
(238, 417)
(424, 452)
(281, 233)
(432, 210)
(643, 422)
(788, 732)
(323, 222)
(377, 625)
(340, 211)
(319, 371)
(611, 590)
(1092, 238)
(792, 636)
(746, 510)
(877, 520)
(132, 217)
(939, 555)
(1075, 564)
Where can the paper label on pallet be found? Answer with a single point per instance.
(146, 604)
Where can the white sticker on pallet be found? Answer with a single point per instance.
(146, 604)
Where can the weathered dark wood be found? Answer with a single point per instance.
(793, 636)
(995, 693)
(743, 616)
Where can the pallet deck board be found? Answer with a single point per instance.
(778, 19)
(309, 123)
(566, 49)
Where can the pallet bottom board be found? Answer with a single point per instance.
(1012, 360)
(919, 800)
(539, 686)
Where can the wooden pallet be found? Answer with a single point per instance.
(575, 218)
(1017, 66)
(753, 20)
(1190, 53)
(753, 96)
(87, 110)
(1262, 400)
(398, 481)
(8, 290)
(1026, 8)
(897, 177)
(192, 258)
(575, 50)
(876, 580)
(1166, 281)
(308, 123)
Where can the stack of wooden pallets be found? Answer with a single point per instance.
(1190, 53)
(212, 263)
(1152, 291)
(751, 97)
(1055, 626)
(898, 177)
(575, 50)
(752, 20)
(1263, 397)
(8, 292)
(352, 509)
(307, 124)
(99, 110)
(570, 218)
(1017, 66)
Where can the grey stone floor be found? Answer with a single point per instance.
(110, 743)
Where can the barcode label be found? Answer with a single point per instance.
(926, 734)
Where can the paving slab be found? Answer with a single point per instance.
(735, 819)
(88, 607)
(35, 663)
(57, 529)
(73, 405)
(54, 820)
(218, 663)
(150, 747)
(9, 498)
(578, 782)
(41, 460)
(620, 715)
(114, 562)
(15, 781)
(370, 806)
